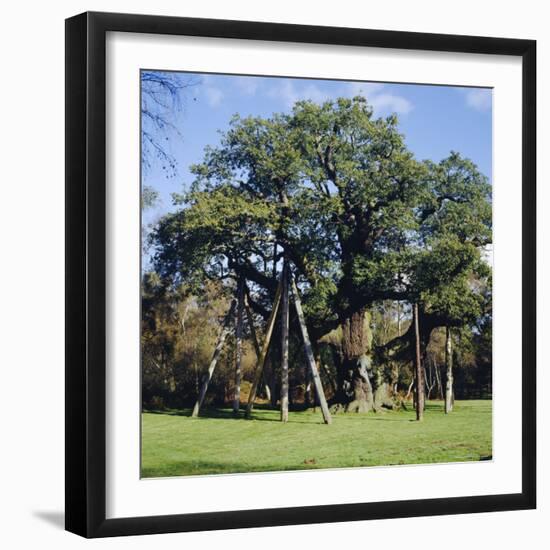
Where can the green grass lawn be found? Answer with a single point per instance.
(174, 444)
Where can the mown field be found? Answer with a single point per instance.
(173, 444)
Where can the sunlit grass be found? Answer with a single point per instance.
(174, 444)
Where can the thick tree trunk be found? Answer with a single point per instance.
(449, 366)
(356, 389)
(394, 378)
(381, 389)
(383, 396)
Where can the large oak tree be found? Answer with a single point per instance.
(338, 192)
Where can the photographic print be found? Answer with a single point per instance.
(316, 267)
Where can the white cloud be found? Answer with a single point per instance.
(290, 92)
(247, 85)
(213, 95)
(377, 94)
(390, 103)
(479, 99)
(382, 102)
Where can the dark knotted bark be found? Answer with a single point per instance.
(361, 385)
(355, 391)
(383, 391)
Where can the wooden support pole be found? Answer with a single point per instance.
(418, 370)
(238, 345)
(217, 352)
(449, 371)
(265, 348)
(284, 344)
(250, 320)
(307, 389)
(441, 392)
(309, 353)
(255, 342)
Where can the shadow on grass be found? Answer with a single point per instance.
(270, 415)
(205, 413)
(434, 407)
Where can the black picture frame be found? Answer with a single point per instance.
(86, 284)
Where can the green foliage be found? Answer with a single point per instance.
(149, 197)
(442, 279)
(473, 355)
(458, 202)
(178, 334)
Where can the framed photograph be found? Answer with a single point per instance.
(300, 274)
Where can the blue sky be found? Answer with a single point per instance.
(434, 119)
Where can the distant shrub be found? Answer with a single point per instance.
(157, 403)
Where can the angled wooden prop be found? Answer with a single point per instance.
(250, 320)
(449, 367)
(284, 343)
(265, 348)
(418, 370)
(239, 347)
(226, 327)
(309, 353)
(255, 341)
